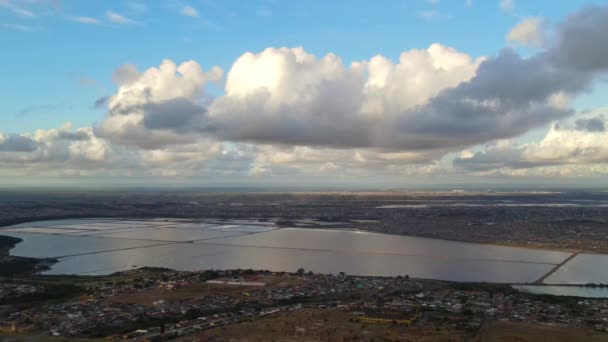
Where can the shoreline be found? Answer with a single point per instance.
(545, 248)
(495, 243)
(38, 265)
(41, 264)
(13, 265)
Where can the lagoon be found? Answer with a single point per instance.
(106, 246)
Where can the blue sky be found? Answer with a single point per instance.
(59, 57)
(56, 71)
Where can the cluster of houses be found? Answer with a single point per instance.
(218, 298)
(11, 290)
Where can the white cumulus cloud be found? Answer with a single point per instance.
(528, 32)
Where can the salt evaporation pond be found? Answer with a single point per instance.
(103, 246)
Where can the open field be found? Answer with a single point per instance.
(334, 325)
(324, 325)
(197, 290)
(500, 331)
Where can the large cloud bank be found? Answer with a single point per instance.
(431, 99)
(284, 108)
(570, 148)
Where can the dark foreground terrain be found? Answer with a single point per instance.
(12, 265)
(247, 305)
(572, 220)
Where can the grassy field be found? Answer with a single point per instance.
(501, 331)
(8, 337)
(323, 325)
(335, 325)
(196, 290)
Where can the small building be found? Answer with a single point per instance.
(389, 318)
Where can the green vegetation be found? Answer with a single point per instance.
(6, 243)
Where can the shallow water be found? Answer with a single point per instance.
(113, 245)
(52, 246)
(360, 242)
(204, 256)
(575, 291)
(584, 268)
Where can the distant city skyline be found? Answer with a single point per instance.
(345, 94)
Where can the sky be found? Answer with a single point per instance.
(383, 94)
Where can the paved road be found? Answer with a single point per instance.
(541, 279)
